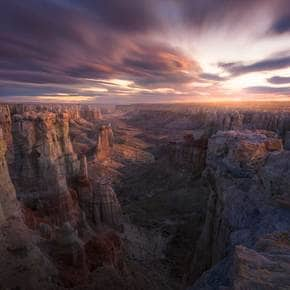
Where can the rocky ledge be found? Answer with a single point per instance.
(245, 239)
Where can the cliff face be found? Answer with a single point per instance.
(213, 119)
(98, 199)
(48, 175)
(44, 164)
(190, 153)
(245, 206)
(18, 249)
(8, 203)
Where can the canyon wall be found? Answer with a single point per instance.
(41, 209)
(59, 210)
(211, 119)
(9, 206)
(44, 164)
(246, 219)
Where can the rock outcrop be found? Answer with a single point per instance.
(245, 206)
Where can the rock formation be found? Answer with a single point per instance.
(44, 164)
(211, 184)
(189, 153)
(8, 203)
(22, 263)
(242, 209)
(105, 143)
(5, 123)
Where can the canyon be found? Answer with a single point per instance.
(164, 196)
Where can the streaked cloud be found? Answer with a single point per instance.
(238, 68)
(144, 50)
(279, 80)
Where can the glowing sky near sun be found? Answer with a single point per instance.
(122, 51)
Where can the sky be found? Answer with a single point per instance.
(144, 51)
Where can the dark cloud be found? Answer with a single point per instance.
(155, 64)
(204, 14)
(279, 80)
(282, 24)
(124, 15)
(65, 42)
(26, 90)
(240, 68)
(212, 77)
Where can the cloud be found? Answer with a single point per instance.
(212, 77)
(269, 90)
(65, 46)
(125, 15)
(277, 80)
(281, 25)
(239, 68)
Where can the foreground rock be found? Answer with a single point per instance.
(22, 264)
(246, 227)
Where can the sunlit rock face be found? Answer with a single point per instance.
(246, 205)
(75, 111)
(105, 143)
(44, 164)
